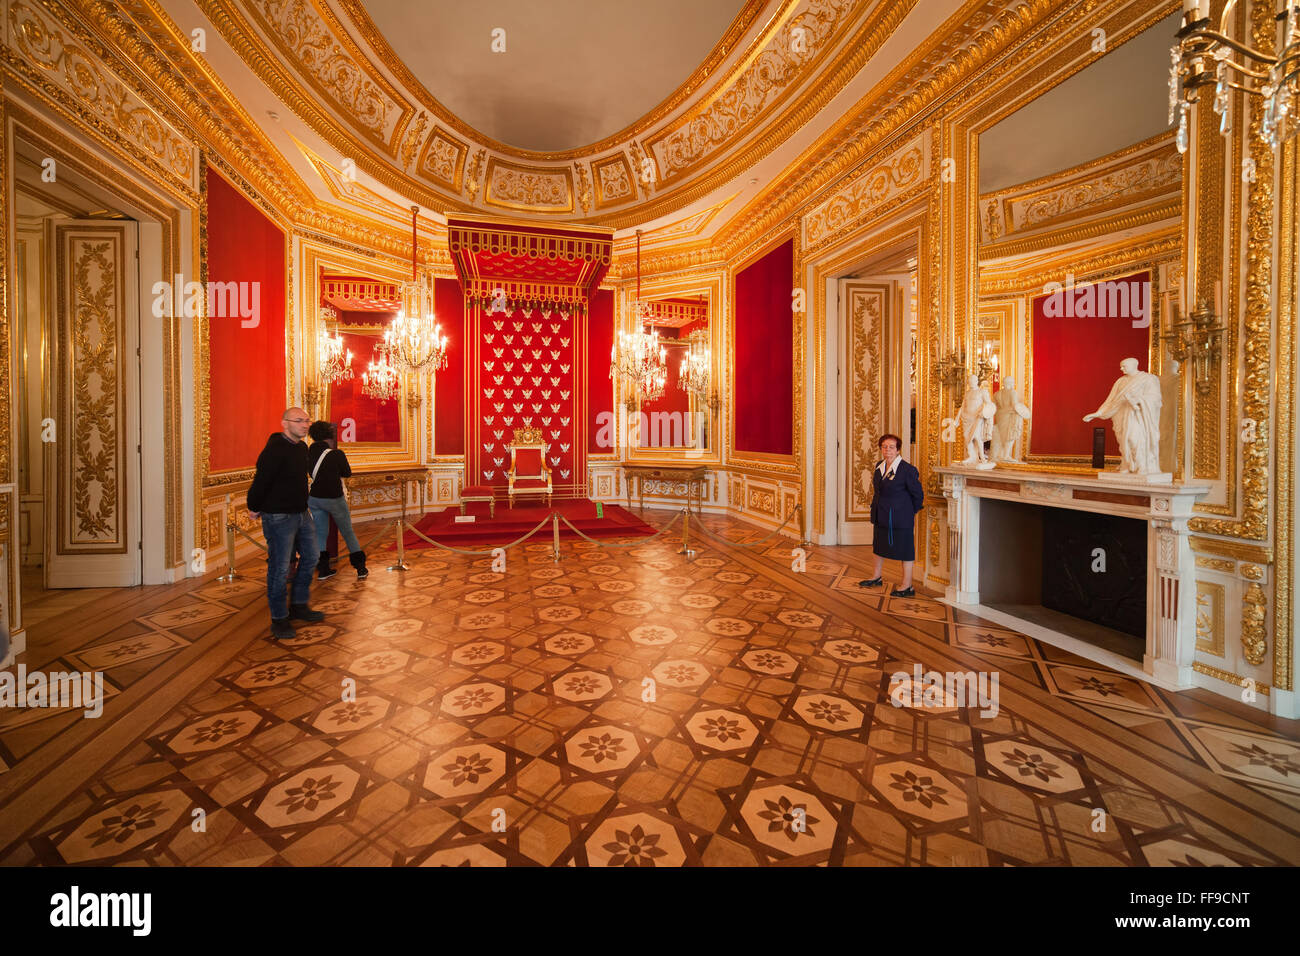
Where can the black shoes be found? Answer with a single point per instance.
(323, 569)
(903, 592)
(358, 559)
(873, 583)
(281, 629)
(302, 612)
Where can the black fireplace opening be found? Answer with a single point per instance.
(1095, 568)
(1075, 572)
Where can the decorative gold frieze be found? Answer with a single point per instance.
(1217, 564)
(519, 188)
(868, 314)
(47, 53)
(614, 181)
(308, 34)
(1141, 173)
(868, 190)
(731, 111)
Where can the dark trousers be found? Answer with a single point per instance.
(285, 534)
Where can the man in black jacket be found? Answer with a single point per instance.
(278, 495)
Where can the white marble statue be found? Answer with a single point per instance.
(1133, 407)
(1008, 421)
(976, 415)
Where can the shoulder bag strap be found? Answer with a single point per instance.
(318, 463)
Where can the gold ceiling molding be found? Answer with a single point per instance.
(144, 38)
(868, 190)
(1136, 175)
(370, 35)
(964, 44)
(307, 33)
(735, 106)
(754, 103)
(64, 63)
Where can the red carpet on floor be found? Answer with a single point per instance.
(510, 523)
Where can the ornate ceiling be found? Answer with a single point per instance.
(742, 78)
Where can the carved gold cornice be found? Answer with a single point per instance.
(781, 118)
(1109, 258)
(1168, 210)
(967, 41)
(1231, 549)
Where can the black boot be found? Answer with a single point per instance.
(323, 569)
(358, 559)
(281, 629)
(302, 612)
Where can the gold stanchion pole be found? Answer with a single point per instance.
(686, 532)
(401, 535)
(231, 573)
(555, 536)
(803, 531)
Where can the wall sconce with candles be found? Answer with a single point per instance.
(950, 367)
(1202, 58)
(987, 366)
(1195, 335)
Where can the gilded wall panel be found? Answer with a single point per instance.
(869, 318)
(1209, 617)
(91, 391)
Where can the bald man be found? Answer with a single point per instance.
(278, 495)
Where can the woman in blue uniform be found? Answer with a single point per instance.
(897, 499)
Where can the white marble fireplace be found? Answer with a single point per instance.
(1170, 631)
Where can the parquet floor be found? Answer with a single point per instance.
(620, 707)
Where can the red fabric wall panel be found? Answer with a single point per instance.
(764, 354)
(374, 421)
(600, 388)
(525, 375)
(246, 386)
(1077, 351)
(449, 387)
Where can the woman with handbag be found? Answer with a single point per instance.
(329, 467)
(895, 503)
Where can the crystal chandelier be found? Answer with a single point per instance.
(637, 359)
(335, 361)
(413, 340)
(1203, 57)
(694, 375)
(380, 381)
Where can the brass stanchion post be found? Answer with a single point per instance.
(686, 533)
(401, 536)
(555, 536)
(803, 531)
(231, 573)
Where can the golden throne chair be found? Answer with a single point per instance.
(528, 474)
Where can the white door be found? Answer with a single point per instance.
(92, 463)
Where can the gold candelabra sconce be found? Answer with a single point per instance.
(1195, 335)
(950, 367)
(312, 397)
(413, 398)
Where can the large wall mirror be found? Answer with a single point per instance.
(354, 309)
(682, 419)
(1080, 206)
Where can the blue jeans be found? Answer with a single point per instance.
(286, 533)
(321, 509)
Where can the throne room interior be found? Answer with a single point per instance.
(611, 306)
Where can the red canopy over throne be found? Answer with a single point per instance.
(527, 295)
